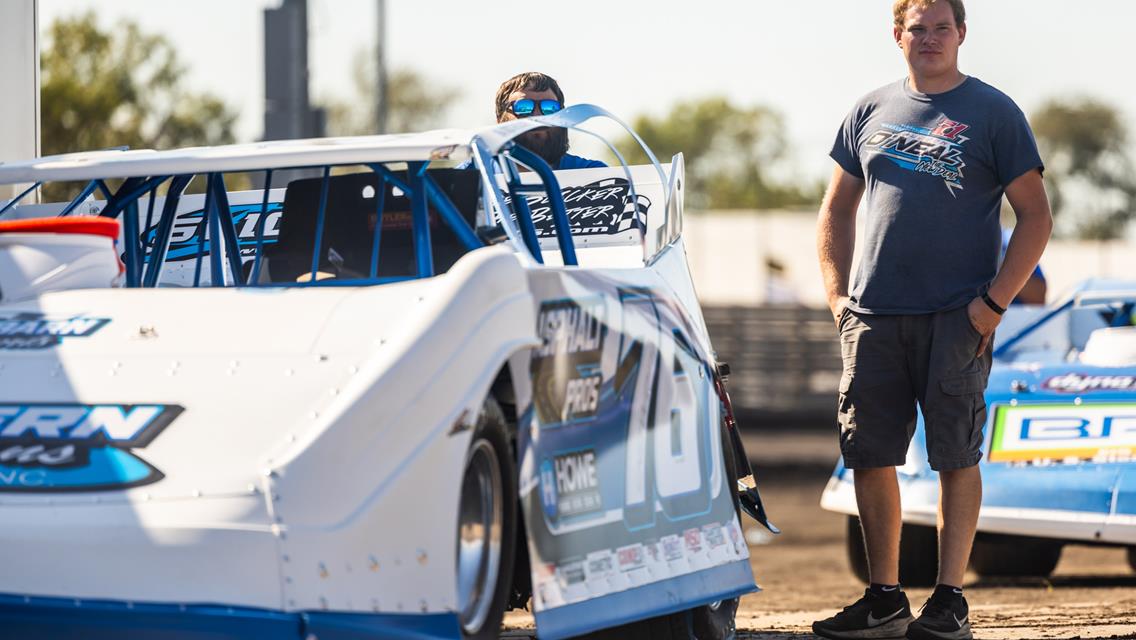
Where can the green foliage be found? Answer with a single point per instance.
(413, 102)
(1088, 171)
(729, 151)
(121, 86)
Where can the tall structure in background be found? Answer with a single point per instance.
(381, 104)
(19, 75)
(287, 110)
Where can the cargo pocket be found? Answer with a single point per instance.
(956, 433)
(966, 384)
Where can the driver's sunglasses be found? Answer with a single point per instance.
(526, 107)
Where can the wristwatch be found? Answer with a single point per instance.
(998, 309)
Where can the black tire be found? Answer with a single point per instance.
(918, 554)
(715, 621)
(676, 626)
(998, 555)
(1132, 557)
(481, 618)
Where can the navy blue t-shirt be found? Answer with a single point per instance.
(935, 168)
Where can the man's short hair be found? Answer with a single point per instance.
(528, 81)
(899, 9)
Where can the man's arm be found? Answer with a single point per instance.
(1035, 221)
(836, 236)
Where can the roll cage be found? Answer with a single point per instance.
(500, 212)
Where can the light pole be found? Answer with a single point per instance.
(19, 75)
(381, 104)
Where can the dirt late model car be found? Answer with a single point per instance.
(1060, 459)
(378, 394)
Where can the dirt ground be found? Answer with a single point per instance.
(804, 574)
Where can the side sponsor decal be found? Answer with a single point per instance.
(604, 207)
(78, 447)
(623, 445)
(37, 331)
(570, 484)
(1083, 382)
(1064, 433)
(189, 237)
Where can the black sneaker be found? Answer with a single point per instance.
(944, 618)
(873, 616)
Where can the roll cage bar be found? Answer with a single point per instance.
(494, 153)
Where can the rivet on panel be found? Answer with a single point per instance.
(288, 579)
(423, 606)
(323, 603)
(374, 563)
(422, 557)
(286, 558)
(374, 605)
(322, 570)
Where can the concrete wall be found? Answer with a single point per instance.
(19, 75)
(728, 253)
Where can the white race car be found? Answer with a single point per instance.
(377, 395)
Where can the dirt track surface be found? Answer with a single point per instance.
(804, 575)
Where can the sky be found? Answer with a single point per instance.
(809, 60)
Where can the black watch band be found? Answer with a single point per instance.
(993, 305)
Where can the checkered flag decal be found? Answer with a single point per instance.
(634, 214)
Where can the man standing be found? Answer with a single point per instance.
(935, 152)
(536, 94)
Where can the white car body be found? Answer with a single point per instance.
(294, 453)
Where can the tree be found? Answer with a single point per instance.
(1083, 143)
(109, 88)
(413, 102)
(728, 151)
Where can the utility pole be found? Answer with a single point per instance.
(287, 111)
(19, 75)
(381, 102)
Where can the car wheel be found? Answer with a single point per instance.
(918, 554)
(487, 521)
(1019, 556)
(715, 621)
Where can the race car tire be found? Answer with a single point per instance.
(918, 554)
(715, 621)
(999, 555)
(487, 523)
(1132, 557)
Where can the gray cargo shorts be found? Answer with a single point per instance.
(893, 362)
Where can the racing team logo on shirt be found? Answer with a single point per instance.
(936, 152)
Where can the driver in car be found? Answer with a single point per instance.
(536, 94)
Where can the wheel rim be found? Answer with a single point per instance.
(714, 606)
(480, 519)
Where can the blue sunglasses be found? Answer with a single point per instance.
(526, 107)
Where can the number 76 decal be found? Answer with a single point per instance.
(673, 449)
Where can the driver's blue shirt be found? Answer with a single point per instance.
(569, 161)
